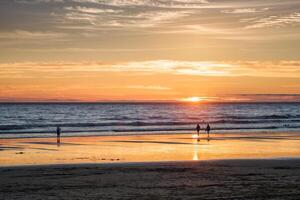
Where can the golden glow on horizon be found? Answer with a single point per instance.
(193, 99)
(160, 80)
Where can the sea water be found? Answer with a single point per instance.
(79, 119)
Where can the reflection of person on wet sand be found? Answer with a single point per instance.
(58, 130)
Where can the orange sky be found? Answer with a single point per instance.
(218, 50)
(155, 80)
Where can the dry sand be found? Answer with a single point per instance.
(223, 179)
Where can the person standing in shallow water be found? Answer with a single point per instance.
(198, 129)
(207, 129)
(58, 130)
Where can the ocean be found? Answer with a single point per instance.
(80, 119)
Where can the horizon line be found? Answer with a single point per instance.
(142, 101)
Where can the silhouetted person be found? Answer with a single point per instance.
(58, 131)
(198, 129)
(207, 129)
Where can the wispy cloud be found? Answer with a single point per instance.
(190, 68)
(23, 34)
(261, 97)
(149, 3)
(148, 87)
(114, 18)
(172, 16)
(39, 1)
(244, 10)
(91, 10)
(275, 20)
(131, 3)
(123, 26)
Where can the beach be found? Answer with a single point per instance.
(223, 179)
(169, 166)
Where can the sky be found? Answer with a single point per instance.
(149, 50)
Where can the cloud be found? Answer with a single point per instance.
(274, 20)
(92, 10)
(80, 17)
(190, 68)
(244, 10)
(39, 1)
(156, 17)
(23, 34)
(197, 29)
(172, 16)
(148, 87)
(115, 19)
(263, 97)
(130, 3)
(149, 3)
(112, 26)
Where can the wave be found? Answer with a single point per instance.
(137, 130)
(273, 116)
(140, 123)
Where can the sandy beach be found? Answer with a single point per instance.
(227, 179)
(177, 166)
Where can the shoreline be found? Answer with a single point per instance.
(144, 133)
(156, 163)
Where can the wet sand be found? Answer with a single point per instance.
(148, 148)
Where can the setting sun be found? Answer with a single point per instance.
(193, 99)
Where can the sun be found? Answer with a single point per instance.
(193, 99)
